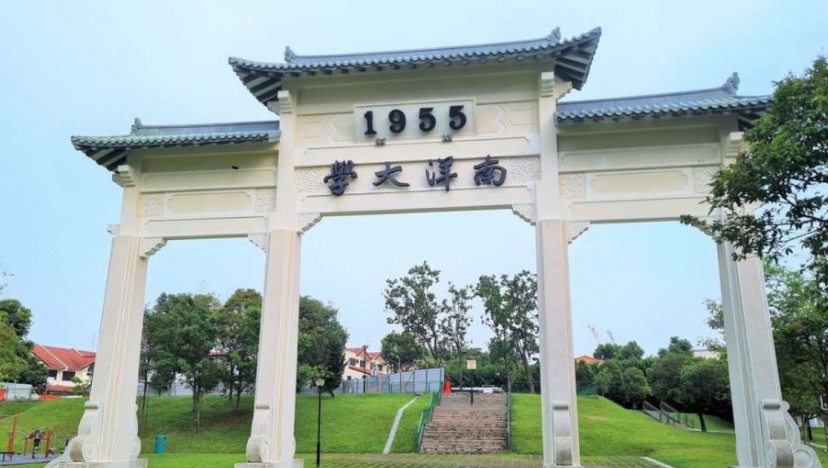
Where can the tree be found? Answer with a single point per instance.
(16, 355)
(665, 376)
(455, 323)
(321, 344)
(182, 334)
(17, 316)
(627, 387)
(401, 349)
(510, 311)
(239, 321)
(677, 346)
(12, 363)
(607, 351)
(784, 171)
(704, 388)
(414, 307)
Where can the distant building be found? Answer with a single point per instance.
(587, 359)
(359, 362)
(705, 353)
(65, 364)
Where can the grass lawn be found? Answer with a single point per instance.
(350, 423)
(607, 429)
(714, 423)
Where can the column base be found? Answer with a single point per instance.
(135, 463)
(284, 464)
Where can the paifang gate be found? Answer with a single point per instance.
(459, 128)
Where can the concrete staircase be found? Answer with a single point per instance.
(460, 427)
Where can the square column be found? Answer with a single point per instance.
(108, 431)
(559, 409)
(271, 443)
(766, 435)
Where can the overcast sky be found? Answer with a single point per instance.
(89, 68)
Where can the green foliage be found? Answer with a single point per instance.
(627, 386)
(239, 321)
(401, 350)
(510, 311)
(704, 388)
(17, 316)
(321, 343)
(182, 331)
(414, 307)
(665, 376)
(677, 346)
(12, 363)
(606, 351)
(799, 315)
(783, 170)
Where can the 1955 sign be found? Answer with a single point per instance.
(424, 119)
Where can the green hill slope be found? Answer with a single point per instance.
(350, 423)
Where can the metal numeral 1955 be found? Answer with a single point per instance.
(397, 120)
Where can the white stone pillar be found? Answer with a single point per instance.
(108, 431)
(271, 443)
(766, 436)
(557, 365)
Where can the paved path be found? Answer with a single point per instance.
(461, 461)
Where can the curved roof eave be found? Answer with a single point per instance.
(572, 58)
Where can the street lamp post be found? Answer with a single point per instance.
(319, 384)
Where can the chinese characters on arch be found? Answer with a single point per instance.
(438, 173)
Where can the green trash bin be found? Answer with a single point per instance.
(160, 444)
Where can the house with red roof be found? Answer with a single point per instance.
(360, 362)
(588, 359)
(64, 365)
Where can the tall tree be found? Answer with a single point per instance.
(27, 368)
(183, 332)
(510, 311)
(455, 323)
(414, 306)
(704, 388)
(402, 350)
(17, 316)
(321, 343)
(239, 320)
(12, 363)
(784, 170)
(677, 346)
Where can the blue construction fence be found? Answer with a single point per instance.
(417, 381)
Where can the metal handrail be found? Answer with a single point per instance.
(509, 421)
(425, 417)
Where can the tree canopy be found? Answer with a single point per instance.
(783, 172)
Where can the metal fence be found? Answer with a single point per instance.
(418, 382)
(17, 391)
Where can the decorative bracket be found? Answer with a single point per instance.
(284, 104)
(784, 446)
(552, 86)
(259, 240)
(526, 212)
(308, 220)
(575, 229)
(151, 245)
(258, 450)
(734, 144)
(124, 176)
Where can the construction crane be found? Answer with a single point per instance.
(612, 338)
(594, 335)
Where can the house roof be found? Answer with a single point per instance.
(360, 369)
(587, 359)
(111, 151)
(67, 359)
(572, 59)
(719, 100)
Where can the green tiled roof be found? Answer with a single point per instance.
(721, 100)
(572, 59)
(111, 151)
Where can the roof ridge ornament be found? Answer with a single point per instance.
(731, 85)
(289, 54)
(136, 124)
(555, 36)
